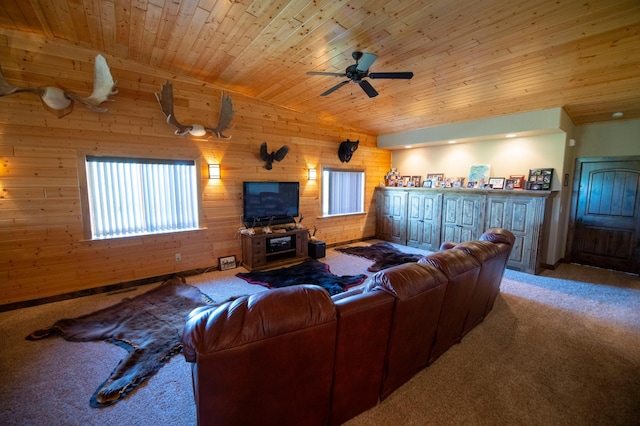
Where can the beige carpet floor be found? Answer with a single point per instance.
(561, 348)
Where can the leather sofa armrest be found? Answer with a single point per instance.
(447, 245)
(498, 235)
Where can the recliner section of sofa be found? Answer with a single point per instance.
(298, 356)
(462, 272)
(264, 359)
(418, 291)
(364, 321)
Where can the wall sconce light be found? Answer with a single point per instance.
(312, 174)
(214, 171)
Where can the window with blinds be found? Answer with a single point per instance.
(136, 196)
(342, 192)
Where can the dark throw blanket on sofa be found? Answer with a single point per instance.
(149, 326)
(308, 272)
(385, 255)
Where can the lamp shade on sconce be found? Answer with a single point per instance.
(214, 171)
(312, 174)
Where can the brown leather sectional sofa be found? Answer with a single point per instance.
(296, 356)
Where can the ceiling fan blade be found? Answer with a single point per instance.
(366, 61)
(368, 89)
(334, 88)
(395, 75)
(335, 74)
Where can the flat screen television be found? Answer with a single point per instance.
(270, 202)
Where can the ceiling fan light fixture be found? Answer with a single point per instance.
(359, 71)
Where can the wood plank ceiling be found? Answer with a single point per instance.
(471, 59)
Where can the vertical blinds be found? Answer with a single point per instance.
(129, 196)
(343, 192)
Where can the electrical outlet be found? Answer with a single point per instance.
(178, 257)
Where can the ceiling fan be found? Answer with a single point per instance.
(360, 70)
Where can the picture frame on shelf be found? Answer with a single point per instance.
(416, 180)
(509, 184)
(227, 262)
(435, 176)
(426, 183)
(496, 182)
(480, 173)
(456, 182)
(472, 184)
(405, 181)
(540, 179)
(518, 181)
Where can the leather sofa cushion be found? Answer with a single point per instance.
(256, 317)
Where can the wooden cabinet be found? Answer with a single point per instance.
(462, 217)
(268, 250)
(391, 216)
(424, 210)
(524, 217)
(424, 218)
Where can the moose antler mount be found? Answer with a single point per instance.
(60, 102)
(165, 99)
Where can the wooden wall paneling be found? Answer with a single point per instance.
(44, 252)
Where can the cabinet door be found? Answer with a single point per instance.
(423, 220)
(392, 207)
(523, 217)
(462, 217)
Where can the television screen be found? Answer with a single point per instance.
(275, 202)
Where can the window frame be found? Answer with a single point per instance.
(85, 203)
(324, 189)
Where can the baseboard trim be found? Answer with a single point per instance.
(117, 288)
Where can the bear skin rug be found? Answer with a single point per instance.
(384, 255)
(149, 326)
(308, 272)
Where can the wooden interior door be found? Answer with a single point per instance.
(607, 214)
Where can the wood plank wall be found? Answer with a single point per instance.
(43, 252)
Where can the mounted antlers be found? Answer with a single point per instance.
(60, 102)
(165, 99)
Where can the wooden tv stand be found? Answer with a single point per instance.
(261, 250)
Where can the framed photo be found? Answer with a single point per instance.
(426, 183)
(457, 182)
(416, 180)
(509, 184)
(435, 176)
(227, 262)
(405, 181)
(496, 183)
(540, 179)
(518, 181)
(472, 184)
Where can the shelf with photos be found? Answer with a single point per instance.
(479, 178)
